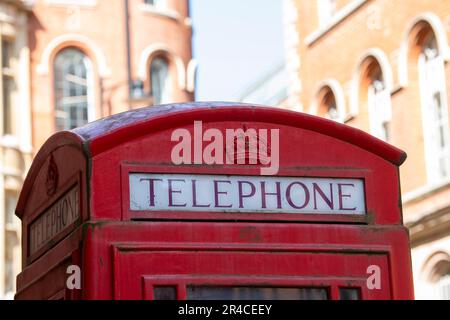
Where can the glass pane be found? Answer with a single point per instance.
(6, 53)
(73, 73)
(160, 83)
(255, 293)
(165, 293)
(349, 294)
(8, 87)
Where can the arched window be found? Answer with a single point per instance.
(379, 104)
(374, 93)
(329, 101)
(73, 85)
(443, 286)
(435, 275)
(327, 106)
(160, 81)
(434, 109)
(440, 279)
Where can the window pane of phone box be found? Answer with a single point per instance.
(349, 294)
(254, 293)
(165, 293)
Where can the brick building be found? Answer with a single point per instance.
(15, 128)
(67, 62)
(382, 66)
(93, 58)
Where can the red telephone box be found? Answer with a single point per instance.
(214, 201)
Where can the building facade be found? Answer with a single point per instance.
(383, 66)
(270, 89)
(69, 62)
(94, 58)
(15, 141)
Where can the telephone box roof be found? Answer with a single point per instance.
(104, 134)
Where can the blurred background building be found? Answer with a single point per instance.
(15, 141)
(383, 66)
(271, 89)
(94, 58)
(68, 62)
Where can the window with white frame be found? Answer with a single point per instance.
(380, 111)
(73, 79)
(160, 81)
(8, 84)
(331, 110)
(326, 10)
(434, 111)
(443, 287)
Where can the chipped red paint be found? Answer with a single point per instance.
(124, 253)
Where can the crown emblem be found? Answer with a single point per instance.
(51, 182)
(252, 152)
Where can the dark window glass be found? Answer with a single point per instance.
(164, 293)
(255, 293)
(349, 294)
(7, 49)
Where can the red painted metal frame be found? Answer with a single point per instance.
(111, 242)
(58, 140)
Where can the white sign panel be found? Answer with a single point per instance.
(221, 193)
